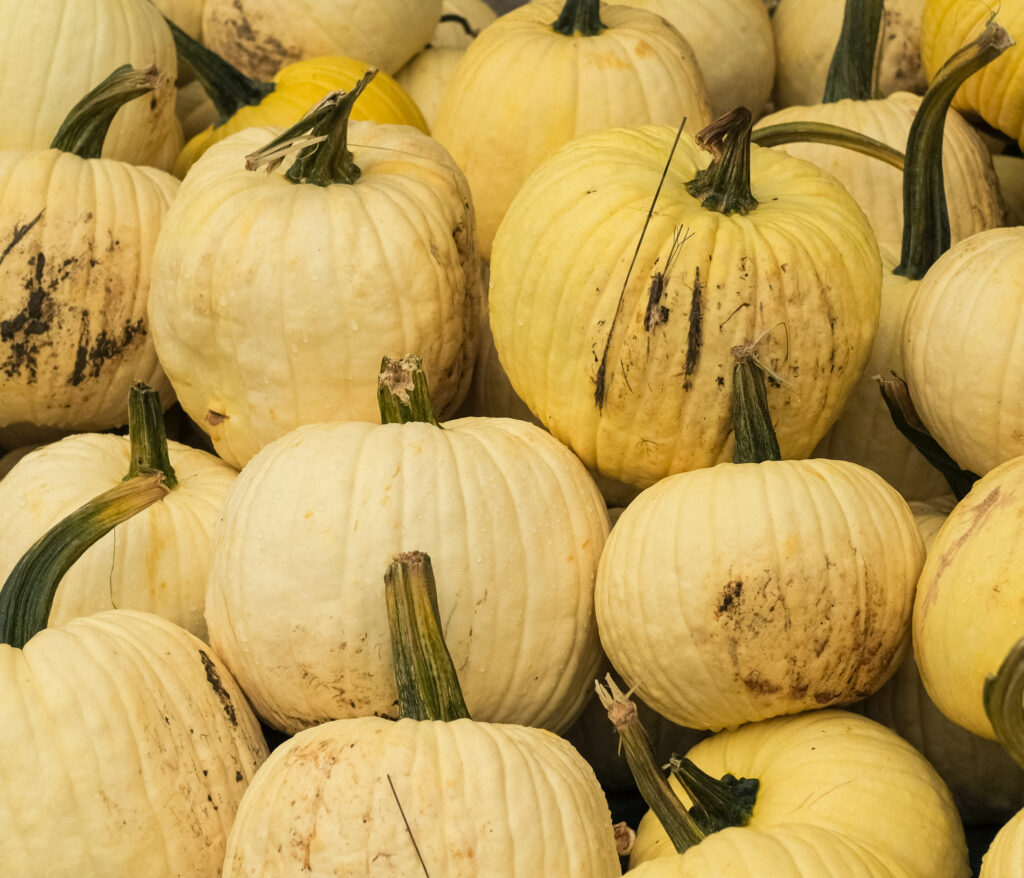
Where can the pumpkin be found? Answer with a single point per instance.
(972, 191)
(128, 745)
(969, 595)
(587, 67)
(763, 587)
(242, 102)
(272, 299)
(159, 560)
(961, 356)
(434, 792)
(259, 37)
(461, 22)
(823, 793)
(865, 432)
(46, 66)
(733, 42)
(996, 94)
(617, 331)
(75, 277)
(426, 76)
(511, 519)
(806, 32)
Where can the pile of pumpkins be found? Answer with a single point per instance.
(424, 426)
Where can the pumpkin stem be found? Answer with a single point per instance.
(718, 803)
(752, 427)
(27, 595)
(834, 135)
(462, 21)
(579, 17)
(851, 73)
(86, 125)
(926, 234)
(322, 134)
(1003, 693)
(896, 394)
(402, 392)
(147, 435)
(428, 686)
(224, 84)
(724, 185)
(678, 823)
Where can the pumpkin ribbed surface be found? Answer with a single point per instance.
(477, 799)
(157, 561)
(740, 592)
(1004, 856)
(514, 527)
(127, 748)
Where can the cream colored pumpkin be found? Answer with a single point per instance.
(806, 33)
(962, 357)
(744, 591)
(127, 747)
(799, 273)
(514, 526)
(157, 561)
(972, 190)
(733, 42)
(1005, 854)
(47, 63)
(74, 286)
(839, 794)
(460, 799)
(426, 77)
(970, 596)
(260, 36)
(273, 303)
(635, 71)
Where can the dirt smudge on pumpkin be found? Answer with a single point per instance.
(695, 335)
(19, 233)
(213, 678)
(93, 353)
(251, 46)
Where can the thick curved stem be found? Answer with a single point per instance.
(834, 135)
(724, 185)
(851, 73)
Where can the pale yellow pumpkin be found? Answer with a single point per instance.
(426, 77)
(261, 36)
(47, 63)
(1005, 854)
(524, 89)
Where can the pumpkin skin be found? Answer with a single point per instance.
(823, 773)
(996, 93)
(636, 71)
(299, 86)
(127, 749)
(74, 287)
(259, 37)
(451, 34)
(969, 596)
(46, 66)
(961, 352)
(733, 42)
(804, 258)
(724, 601)
(479, 799)
(972, 189)
(353, 273)
(157, 561)
(1003, 858)
(514, 527)
(426, 76)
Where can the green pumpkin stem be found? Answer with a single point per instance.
(896, 394)
(224, 84)
(27, 595)
(678, 823)
(833, 135)
(324, 158)
(724, 185)
(402, 392)
(579, 17)
(428, 686)
(1003, 693)
(147, 435)
(752, 427)
(852, 71)
(926, 234)
(718, 803)
(85, 127)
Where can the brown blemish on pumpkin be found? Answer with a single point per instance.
(730, 596)
(19, 233)
(262, 54)
(695, 335)
(93, 353)
(754, 682)
(214, 418)
(213, 678)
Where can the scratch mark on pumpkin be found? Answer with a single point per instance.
(19, 233)
(408, 828)
(213, 678)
